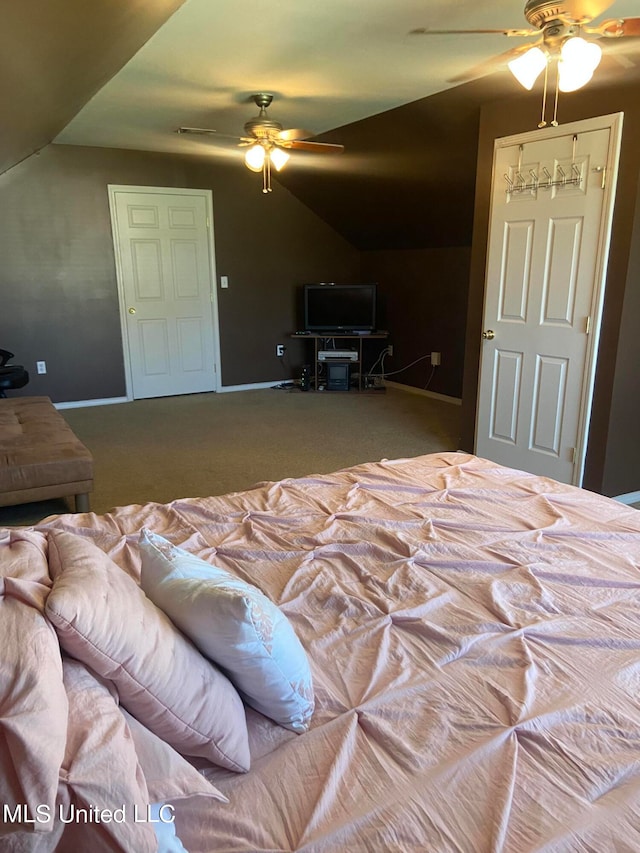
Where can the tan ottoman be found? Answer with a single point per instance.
(40, 457)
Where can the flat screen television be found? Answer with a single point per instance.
(333, 307)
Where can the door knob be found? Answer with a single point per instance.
(132, 310)
(489, 335)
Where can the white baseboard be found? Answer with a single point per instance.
(424, 392)
(81, 404)
(251, 386)
(628, 498)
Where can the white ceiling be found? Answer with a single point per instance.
(328, 63)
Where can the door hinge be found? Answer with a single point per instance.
(208, 222)
(587, 326)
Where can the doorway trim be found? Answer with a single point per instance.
(613, 122)
(207, 195)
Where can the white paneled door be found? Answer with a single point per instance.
(166, 274)
(552, 201)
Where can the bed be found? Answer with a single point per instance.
(472, 638)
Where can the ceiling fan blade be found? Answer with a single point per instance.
(205, 131)
(295, 133)
(490, 66)
(616, 57)
(318, 147)
(263, 131)
(200, 130)
(425, 31)
(617, 27)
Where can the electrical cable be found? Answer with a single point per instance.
(401, 370)
(433, 370)
(380, 359)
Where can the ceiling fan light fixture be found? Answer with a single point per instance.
(265, 142)
(578, 60)
(254, 157)
(528, 67)
(278, 158)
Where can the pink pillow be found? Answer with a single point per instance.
(100, 770)
(168, 775)
(104, 619)
(33, 702)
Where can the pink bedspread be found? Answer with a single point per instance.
(474, 635)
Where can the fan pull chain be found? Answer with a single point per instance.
(554, 123)
(542, 122)
(554, 120)
(266, 174)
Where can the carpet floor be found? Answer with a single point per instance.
(210, 444)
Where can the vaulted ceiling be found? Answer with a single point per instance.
(54, 57)
(127, 73)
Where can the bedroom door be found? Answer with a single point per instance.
(551, 211)
(165, 266)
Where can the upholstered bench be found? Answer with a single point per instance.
(40, 457)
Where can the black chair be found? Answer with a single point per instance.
(11, 375)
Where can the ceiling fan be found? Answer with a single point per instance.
(266, 141)
(560, 26)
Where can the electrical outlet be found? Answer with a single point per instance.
(41, 366)
(436, 359)
(280, 350)
(390, 349)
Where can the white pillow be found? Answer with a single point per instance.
(235, 625)
(162, 816)
(105, 620)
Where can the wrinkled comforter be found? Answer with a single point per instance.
(474, 637)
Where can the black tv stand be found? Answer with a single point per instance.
(360, 337)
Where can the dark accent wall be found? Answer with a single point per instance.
(423, 303)
(612, 452)
(59, 298)
(407, 176)
(621, 465)
(403, 194)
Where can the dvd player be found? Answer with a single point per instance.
(334, 354)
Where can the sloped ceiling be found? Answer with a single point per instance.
(328, 64)
(127, 73)
(407, 177)
(54, 56)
